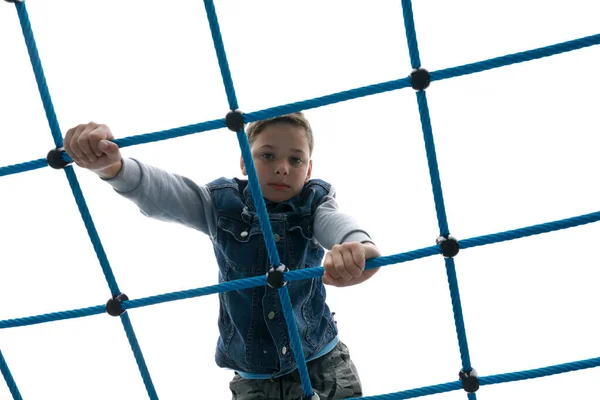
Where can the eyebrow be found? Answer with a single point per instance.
(268, 146)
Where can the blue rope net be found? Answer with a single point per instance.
(446, 244)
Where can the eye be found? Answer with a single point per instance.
(267, 156)
(296, 160)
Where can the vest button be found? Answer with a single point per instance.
(284, 350)
(271, 315)
(277, 237)
(244, 234)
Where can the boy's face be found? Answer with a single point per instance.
(282, 160)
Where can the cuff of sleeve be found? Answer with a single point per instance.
(128, 178)
(357, 236)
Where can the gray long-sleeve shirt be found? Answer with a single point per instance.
(174, 198)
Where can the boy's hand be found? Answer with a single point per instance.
(90, 147)
(345, 264)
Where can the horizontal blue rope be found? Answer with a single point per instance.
(492, 379)
(55, 316)
(306, 273)
(540, 372)
(170, 133)
(329, 99)
(530, 230)
(26, 166)
(424, 391)
(228, 286)
(515, 58)
(8, 378)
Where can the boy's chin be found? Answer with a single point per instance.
(277, 197)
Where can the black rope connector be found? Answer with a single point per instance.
(275, 277)
(420, 79)
(234, 120)
(113, 306)
(54, 159)
(449, 246)
(470, 380)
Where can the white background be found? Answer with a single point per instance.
(516, 146)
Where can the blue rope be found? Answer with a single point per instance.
(333, 98)
(290, 321)
(308, 273)
(515, 58)
(531, 230)
(540, 372)
(91, 230)
(257, 195)
(55, 316)
(411, 34)
(434, 172)
(263, 215)
(490, 380)
(437, 187)
(328, 99)
(26, 166)
(76, 189)
(40, 78)
(139, 357)
(10, 381)
(458, 315)
(213, 21)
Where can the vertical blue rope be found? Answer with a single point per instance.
(213, 21)
(76, 189)
(257, 194)
(139, 357)
(458, 315)
(12, 385)
(411, 34)
(434, 171)
(261, 208)
(91, 230)
(411, 37)
(290, 321)
(40, 78)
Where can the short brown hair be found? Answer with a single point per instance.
(297, 119)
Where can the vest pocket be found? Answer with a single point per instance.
(241, 245)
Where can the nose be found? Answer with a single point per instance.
(282, 168)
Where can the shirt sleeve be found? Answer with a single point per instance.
(333, 227)
(165, 196)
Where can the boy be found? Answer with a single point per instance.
(303, 213)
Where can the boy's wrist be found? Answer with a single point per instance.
(111, 171)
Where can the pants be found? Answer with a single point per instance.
(333, 376)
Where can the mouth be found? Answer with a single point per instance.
(279, 186)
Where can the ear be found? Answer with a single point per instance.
(242, 166)
(309, 172)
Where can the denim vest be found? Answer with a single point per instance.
(253, 333)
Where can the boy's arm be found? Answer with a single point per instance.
(165, 196)
(349, 245)
(333, 227)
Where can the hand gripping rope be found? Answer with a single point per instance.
(278, 275)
